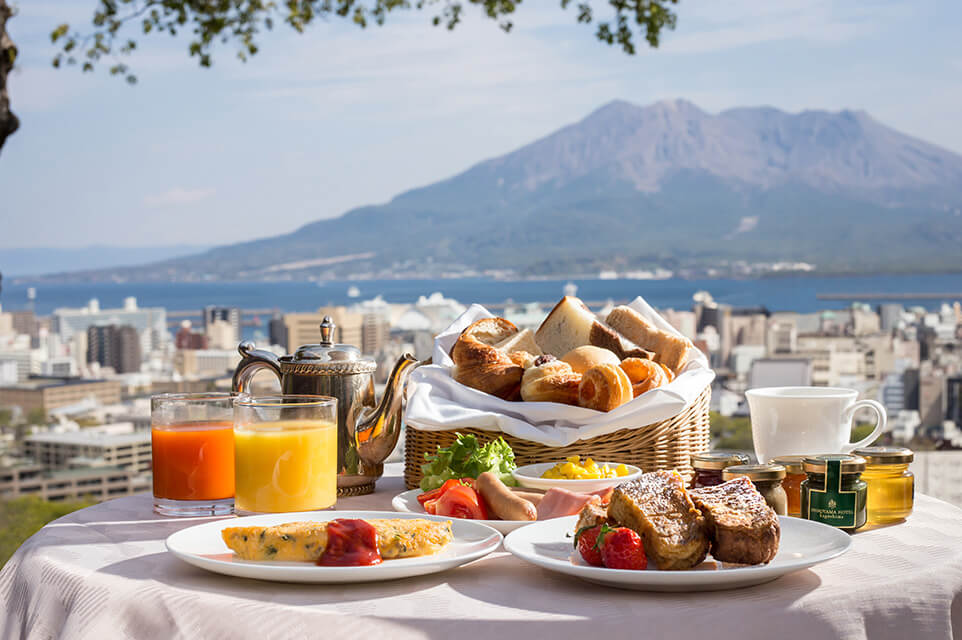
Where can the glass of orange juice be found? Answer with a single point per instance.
(285, 449)
(192, 449)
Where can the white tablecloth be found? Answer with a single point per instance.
(103, 572)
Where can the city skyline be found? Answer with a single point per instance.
(345, 129)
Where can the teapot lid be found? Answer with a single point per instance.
(327, 357)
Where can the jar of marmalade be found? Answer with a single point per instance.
(708, 466)
(767, 478)
(792, 483)
(834, 492)
(891, 486)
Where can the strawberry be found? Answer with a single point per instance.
(587, 541)
(621, 548)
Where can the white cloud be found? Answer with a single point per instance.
(178, 196)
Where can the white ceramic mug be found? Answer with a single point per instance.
(807, 420)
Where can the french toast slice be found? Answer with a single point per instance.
(743, 528)
(657, 508)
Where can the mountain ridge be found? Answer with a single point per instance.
(630, 186)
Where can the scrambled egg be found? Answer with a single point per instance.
(573, 469)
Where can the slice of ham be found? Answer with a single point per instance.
(561, 502)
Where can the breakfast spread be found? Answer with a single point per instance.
(339, 542)
(573, 469)
(708, 466)
(677, 527)
(891, 486)
(834, 492)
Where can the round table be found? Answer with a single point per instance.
(103, 572)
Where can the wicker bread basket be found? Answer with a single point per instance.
(662, 445)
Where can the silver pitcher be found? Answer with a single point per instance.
(367, 431)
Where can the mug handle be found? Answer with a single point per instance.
(879, 425)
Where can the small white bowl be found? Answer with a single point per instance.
(530, 476)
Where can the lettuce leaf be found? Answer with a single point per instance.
(467, 458)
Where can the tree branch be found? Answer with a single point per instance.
(8, 55)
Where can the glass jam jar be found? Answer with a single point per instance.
(891, 486)
(708, 466)
(767, 478)
(792, 483)
(834, 492)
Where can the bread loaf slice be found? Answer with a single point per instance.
(521, 341)
(670, 349)
(572, 324)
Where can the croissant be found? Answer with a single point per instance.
(552, 381)
(479, 365)
(644, 374)
(604, 387)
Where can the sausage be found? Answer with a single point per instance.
(531, 496)
(502, 502)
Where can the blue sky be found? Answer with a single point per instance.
(338, 117)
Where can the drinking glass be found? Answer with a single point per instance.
(285, 447)
(192, 446)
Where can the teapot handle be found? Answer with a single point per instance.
(252, 361)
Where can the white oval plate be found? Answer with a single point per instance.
(202, 546)
(530, 476)
(407, 502)
(804, 543)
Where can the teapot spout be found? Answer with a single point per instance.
(378, 430)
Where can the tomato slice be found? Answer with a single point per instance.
(434, 494)
(461, 502)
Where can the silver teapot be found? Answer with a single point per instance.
(367, 431)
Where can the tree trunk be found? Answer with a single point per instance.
(8, 121)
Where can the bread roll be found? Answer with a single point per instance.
(571, 324)
(604, 387)
(643, 374)
(670, 349)
(551, 381)
(583, 358)
(479, 365)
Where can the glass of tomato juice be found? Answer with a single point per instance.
(285, 449)
(192, 446)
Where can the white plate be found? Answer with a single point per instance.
(202, 546)
(407, 502)
(530, 476)
(803, 543)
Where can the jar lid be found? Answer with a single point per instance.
(850, 463)
(717, 460)
(792, 464)
(886, 455)
(755, 472)
(326, 357)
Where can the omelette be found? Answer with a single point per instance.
(306, 541)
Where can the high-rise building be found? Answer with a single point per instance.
(219, 335)
(114, 346)
(150, 322)
(277, 330)
(187, 338)
(304, 328)
(375, 333)
(953, 400)
(890, 313)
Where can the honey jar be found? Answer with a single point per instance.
(834, 492)
(792, 482)
(891, 486)
(708, 466)
(767, 478)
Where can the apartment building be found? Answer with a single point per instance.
(63, 450)
(93, 483)
(304, 328)
(50, 393)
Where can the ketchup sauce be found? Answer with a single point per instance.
(350, 543)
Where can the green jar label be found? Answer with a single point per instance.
(831, 505)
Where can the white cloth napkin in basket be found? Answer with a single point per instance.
(437, 403)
